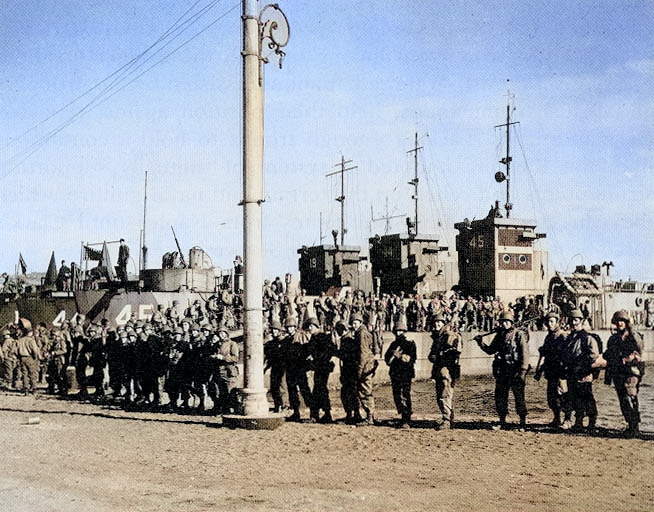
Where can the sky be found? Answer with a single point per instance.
(95, 93)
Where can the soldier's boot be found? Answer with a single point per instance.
(295, 416)
(632, 431)
(523, 424)
(592, 429)
(368, 420)
(556, 420)
(327, 417)
(578, 425)
(501, 425)
(314, 415)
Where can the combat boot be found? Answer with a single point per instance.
(444, 425)
(368, 421)
(523, 424)
(501, 425)
(295, 417)
(327, 418)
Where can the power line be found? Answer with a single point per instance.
(123, 77)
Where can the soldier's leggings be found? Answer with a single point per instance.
(444, 393)
(504, 383)
(628, 404)
(583, 400)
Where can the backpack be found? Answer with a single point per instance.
(600, 348)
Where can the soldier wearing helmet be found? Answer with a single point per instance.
(625, 368)
(225, 355)
(321, 351)
(401, 359)
(9, 361)
(274, 351)
(580, 355)
(550, 364)
(57, 352)
(29, 355)
(510, 346)
(444, 355)
(297, 345)
(366, 367)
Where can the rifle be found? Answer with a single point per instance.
(516, 325)
(179, 249)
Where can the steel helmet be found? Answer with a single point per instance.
(623, 314)
(576, 313)
(507, 315)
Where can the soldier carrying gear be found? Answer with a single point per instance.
(510, 346)
(550, 363)
(321, 351)
(444, 355)
(580, 355)
(625, 368)
(401, 358)
(29, 355)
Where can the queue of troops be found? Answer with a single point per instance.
(192, 358)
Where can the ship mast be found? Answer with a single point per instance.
(144, 249)
(507, 161)
(341, 198)
(414, 182)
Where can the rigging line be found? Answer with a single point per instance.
(535, 190)
(532, 183)
(440, 207)
(39, 143)
(96, 101)
(93, 104)
(119, 70)
(88, 107)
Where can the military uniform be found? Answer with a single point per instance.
(274, 351)
(579, 356)
(366, 366)
(226, 373)
(401, 359)
(553, 369)
(444, 355)
(321, 350)
(9, 360)
(56, 370)
(348, 354)
(29, 356)
(511, 349)
(296, 370)
(625, 369)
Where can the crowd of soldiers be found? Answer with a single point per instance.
(570, 361)
(190, 356)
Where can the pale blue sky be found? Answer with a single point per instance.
(359, 80)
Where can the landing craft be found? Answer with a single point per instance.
(94, 295)
(497, 255)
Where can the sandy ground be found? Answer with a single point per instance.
(70, 456)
